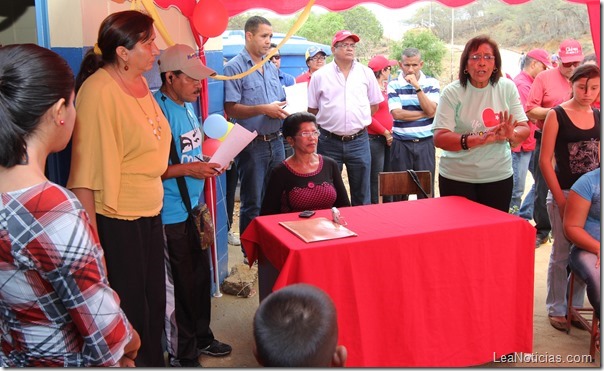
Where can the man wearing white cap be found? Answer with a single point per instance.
(188, 306)
(344, 95)
(412, 100)
(549, 89)
(315, 59)
(535, 62)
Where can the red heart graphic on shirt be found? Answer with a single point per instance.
(490, 118)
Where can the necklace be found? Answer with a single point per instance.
(156, 130)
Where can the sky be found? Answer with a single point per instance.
(394, 20)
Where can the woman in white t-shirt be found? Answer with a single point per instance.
(479, 117)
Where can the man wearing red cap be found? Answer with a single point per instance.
(344, 95)
(535, 62)
(549, 89)
(412, 100)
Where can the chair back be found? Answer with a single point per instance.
(394, 183)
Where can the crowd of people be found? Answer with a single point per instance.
(102, 272)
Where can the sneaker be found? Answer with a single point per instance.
(175, 362)
(216, 349)
(233, 240)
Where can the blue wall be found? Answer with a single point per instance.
(58, 164)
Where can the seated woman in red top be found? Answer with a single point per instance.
(305, 180)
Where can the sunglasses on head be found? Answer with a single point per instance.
(277, 57)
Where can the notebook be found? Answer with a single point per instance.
(317, 229)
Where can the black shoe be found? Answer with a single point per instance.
(541, 240)
(175, 362)
(216, 349)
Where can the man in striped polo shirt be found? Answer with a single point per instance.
(412, 100)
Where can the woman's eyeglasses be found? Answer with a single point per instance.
(317, 58)
(477, 57)
(308, 134)
(276, 57)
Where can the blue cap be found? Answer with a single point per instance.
(312, 51)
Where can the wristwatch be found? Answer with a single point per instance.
(418, 90)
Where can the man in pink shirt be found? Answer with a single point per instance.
(535, 62)
(344, 95)
(549, 89)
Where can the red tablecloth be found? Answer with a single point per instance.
(434, 282)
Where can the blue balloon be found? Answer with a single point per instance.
(215, 126)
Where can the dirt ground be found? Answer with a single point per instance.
(232, 322)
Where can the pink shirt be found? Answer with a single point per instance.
(549, 89)
(523, 82)
(343, 103)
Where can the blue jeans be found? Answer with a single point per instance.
(356, 155)
(540, 213)
(583, 263)
(557, 276)
(520, 164)
(526, 210)
(380, 161)
(254, 165)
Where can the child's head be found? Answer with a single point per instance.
(297, 326)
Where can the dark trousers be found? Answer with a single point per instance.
(415, 155)
(540, 215)
(188, 326)
(231, 188)
(495, 194)
(134, 253)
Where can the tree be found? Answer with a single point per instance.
(321, 28)
(431, 48)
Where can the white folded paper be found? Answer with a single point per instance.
(238, 138)
(297, 98)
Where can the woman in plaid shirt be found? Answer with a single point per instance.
(56, 306)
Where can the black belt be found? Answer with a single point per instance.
(268, 137)
(417, 140)
(344, 138)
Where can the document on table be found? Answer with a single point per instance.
(235, 142)
(317, 229)
(297, 97)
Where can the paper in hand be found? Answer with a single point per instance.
(238, 138)
(297, 98)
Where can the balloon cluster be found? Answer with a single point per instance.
(216, 127)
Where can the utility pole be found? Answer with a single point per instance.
(452, 38)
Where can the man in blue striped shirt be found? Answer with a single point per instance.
(412, 100)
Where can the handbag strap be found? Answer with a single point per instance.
(180, 181)
(416, 181)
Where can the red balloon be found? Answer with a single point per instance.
(210, 146)
(210, 18)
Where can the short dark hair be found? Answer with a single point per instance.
(291, 124)
(411, 52)
(119, 29)
(472, 45)
(251, 25)
(589, 58)
(296, 326)
(32, 80)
